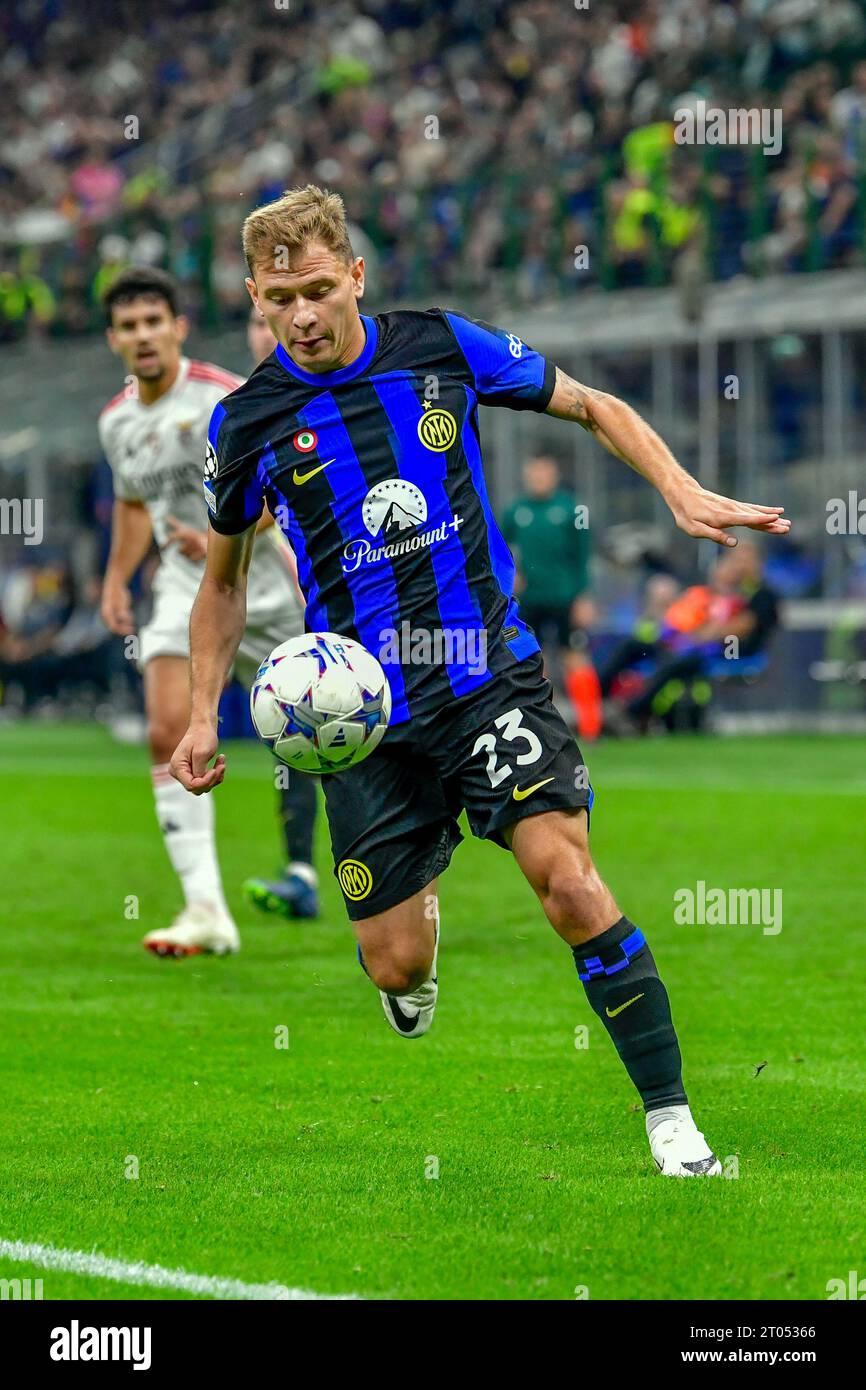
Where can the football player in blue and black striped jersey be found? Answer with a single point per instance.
(361, 434)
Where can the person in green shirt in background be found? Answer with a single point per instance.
(546, 528)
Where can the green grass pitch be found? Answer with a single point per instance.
(309, 1165)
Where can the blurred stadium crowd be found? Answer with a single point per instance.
(476, 145)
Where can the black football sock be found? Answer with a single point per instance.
(622, 984)
(298, 815)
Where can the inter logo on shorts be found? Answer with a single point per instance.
(305, 441)
(437, 429)
(355, 879)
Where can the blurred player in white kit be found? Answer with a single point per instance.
(154, 435)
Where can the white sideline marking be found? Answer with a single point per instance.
(155, 1276)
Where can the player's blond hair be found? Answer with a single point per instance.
(301, 215)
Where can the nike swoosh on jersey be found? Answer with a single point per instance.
(521, 795)
(301, 478)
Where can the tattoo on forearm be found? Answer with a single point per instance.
(572, 399)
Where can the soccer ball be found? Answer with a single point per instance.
(321, 702)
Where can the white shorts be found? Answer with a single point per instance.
(167, 632)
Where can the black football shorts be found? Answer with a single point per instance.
(502, 753)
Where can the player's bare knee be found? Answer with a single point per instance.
(575, 896)
(395, 977)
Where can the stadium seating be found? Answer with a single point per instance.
(478, 162)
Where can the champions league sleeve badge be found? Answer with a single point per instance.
(210, 472)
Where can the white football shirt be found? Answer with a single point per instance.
(157, 457)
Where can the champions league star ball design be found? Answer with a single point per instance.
(322, 702)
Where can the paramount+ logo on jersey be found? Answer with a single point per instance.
(393, 511)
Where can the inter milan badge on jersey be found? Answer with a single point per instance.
(437, 428)
(210, 461)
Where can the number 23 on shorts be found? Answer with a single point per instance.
(511, 732)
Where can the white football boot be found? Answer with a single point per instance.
(410, 1015)
(198, 929)
(677, 1145)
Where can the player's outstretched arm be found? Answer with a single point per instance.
(623, 433)
(216, 627)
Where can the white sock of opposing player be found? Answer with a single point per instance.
(303, 871)
(187, 825)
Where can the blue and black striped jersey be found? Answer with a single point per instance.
(374, 473)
